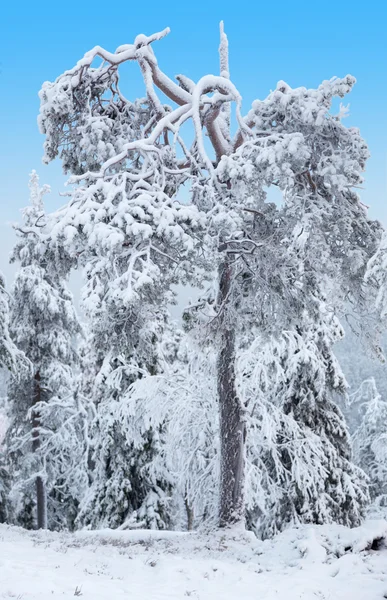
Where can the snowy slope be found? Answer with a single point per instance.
(304, 563)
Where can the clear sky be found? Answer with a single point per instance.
(297, 41)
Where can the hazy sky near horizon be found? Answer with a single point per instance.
(294, 41)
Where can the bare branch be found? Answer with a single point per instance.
(218, 141)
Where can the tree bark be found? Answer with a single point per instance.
(232, 424)
(41, 498)
(190, 514)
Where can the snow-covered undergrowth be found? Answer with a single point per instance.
(305, 563)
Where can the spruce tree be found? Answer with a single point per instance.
(13, 363)
(300, 467)
(44, 440)
(129, 486)
(370, 439)
(320, 482)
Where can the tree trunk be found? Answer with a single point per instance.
(232, 424)
(41, 498)
(190, 514)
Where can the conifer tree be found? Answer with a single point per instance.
(307, 463)
(126, 489)
(13, 363)
(45, 434)
(370, 439)
(130, 159)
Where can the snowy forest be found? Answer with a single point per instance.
(203, 379)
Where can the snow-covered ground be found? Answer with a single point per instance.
(306, 563)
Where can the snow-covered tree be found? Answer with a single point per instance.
(44, 439)
(192, 432)
(370, 438)
(185, 397)
(12, 363)
(302, 448)
(129, 161)
(127, 489)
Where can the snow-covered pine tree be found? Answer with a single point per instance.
(129, 484)
(370, 438)
(306, 459)
(44, 439)
(131, 159)
(12, 363)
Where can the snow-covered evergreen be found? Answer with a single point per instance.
(370, 438)
(44, 439)
(124, 223)
(13, 363)
(125, 442)
(298, 443)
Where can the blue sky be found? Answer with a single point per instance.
(294, 41)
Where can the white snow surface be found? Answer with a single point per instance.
(303, 563)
